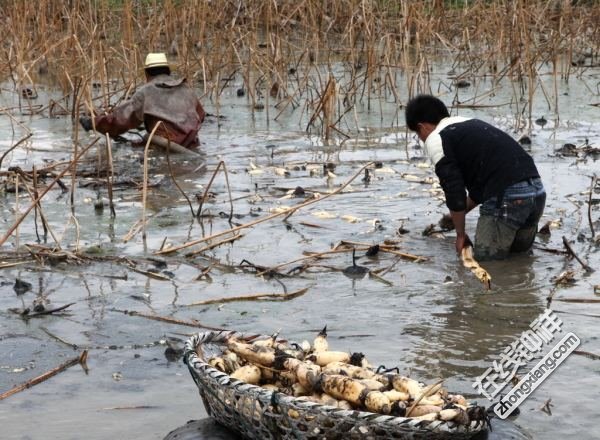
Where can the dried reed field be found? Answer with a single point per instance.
(308, 55)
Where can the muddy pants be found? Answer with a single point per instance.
(509, 223)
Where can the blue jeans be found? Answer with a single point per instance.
(510, 224)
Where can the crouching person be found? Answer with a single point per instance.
(161, 98)
(480, 165)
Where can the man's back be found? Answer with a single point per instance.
(170, 100)
(164, 99)
(489, 159)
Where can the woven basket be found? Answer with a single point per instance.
(257, 413)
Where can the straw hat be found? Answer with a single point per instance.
(156, 60)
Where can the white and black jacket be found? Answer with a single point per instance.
(472, 154)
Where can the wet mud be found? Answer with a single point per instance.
(430, 318)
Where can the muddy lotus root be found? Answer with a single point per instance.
(313, 372)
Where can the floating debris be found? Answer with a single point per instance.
(173, 353)
(271, 148)
(541, 121)
(28, 92)
(416, 179)
(20, 286)
(355, 271)
(564, 278)
(377, 225)
(254, 170)
(402, 230)
(38, 310)
(81, 359)
(429, 230)
(279, 209)
(568, 150)
(372, 251)
(367, 177)
(351, 219)
(99, 204)
(549, 225)
(324, 215)
(446, 223)
(546, 407)
(525, 140)
(384, 170)
(299, 192)
(545, 230)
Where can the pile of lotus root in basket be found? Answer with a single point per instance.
(339, 379)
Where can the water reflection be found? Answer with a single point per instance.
(207, 428)
(450, 330)
(473, 327)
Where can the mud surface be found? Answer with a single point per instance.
(434, 319)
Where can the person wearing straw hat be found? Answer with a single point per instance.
(162, 98)
(472, 155)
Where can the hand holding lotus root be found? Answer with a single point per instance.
(469, 262)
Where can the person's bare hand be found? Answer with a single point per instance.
(462, 241)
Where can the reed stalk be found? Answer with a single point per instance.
(324, 61)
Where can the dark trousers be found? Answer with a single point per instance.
(511, 223)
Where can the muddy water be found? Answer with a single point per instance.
(433, 321)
